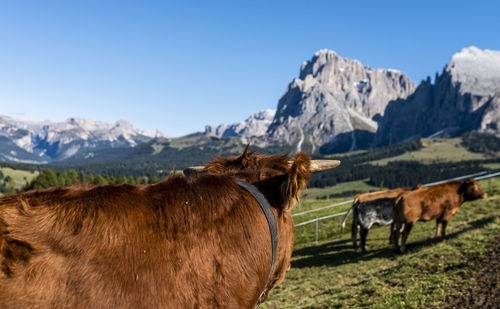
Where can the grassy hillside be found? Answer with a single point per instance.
(331, 274)
(20, 177)
(341, 189)
(436, 150)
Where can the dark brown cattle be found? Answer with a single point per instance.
(440, 202)
(187, 242)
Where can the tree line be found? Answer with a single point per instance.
(49, 179)
(481, 142)
(397, 173)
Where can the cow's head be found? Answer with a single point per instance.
(280, 179)
(471, 190)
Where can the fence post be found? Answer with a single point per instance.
(317, 221)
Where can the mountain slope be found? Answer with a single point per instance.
(465, 97)
(336, 100)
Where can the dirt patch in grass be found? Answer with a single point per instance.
(482, 289)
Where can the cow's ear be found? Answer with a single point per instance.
(245, 157)
(298, 175)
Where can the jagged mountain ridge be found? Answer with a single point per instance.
(464, 97)
(333, 99)
(45, 141)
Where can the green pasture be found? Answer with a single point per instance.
(435, 151)
(360, 185)
(493, 166)
(20, 176)
(331, 274)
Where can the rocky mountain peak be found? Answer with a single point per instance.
(335, 96)
(465, 97)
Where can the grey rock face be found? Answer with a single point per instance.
(334, 98)
(47, 141)
(465, 97)
(254, 126)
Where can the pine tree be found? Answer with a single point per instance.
(62, 179)
(154, 179)
(100, 180)
(72, 177)
(131, 180)
(81, 178)
(90, 179)
(46, 179)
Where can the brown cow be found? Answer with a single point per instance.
(187, 242)
(440, 202)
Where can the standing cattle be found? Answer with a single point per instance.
(200, 241)
(372, 208)
(439, 202)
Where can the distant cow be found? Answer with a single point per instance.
(201, 241)
(440, 202)
(372, 208)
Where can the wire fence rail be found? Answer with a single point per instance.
(478, 176)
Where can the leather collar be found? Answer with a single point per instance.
(271, 220)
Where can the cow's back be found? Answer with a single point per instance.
(137, 247)
(363, 197)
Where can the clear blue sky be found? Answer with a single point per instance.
(176, 66)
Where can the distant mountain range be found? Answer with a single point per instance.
(334, 105)
(42, 142)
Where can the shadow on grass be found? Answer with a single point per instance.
(341, 251)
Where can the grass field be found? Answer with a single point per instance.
(493, 166)
(331, 274)
(436, 150)
(360, 185)
(19, 176)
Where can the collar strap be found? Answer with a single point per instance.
(271, 220)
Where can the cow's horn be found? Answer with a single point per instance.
(323, 165)
(193, 170)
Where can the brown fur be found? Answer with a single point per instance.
(186, 242)
(439, 202)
